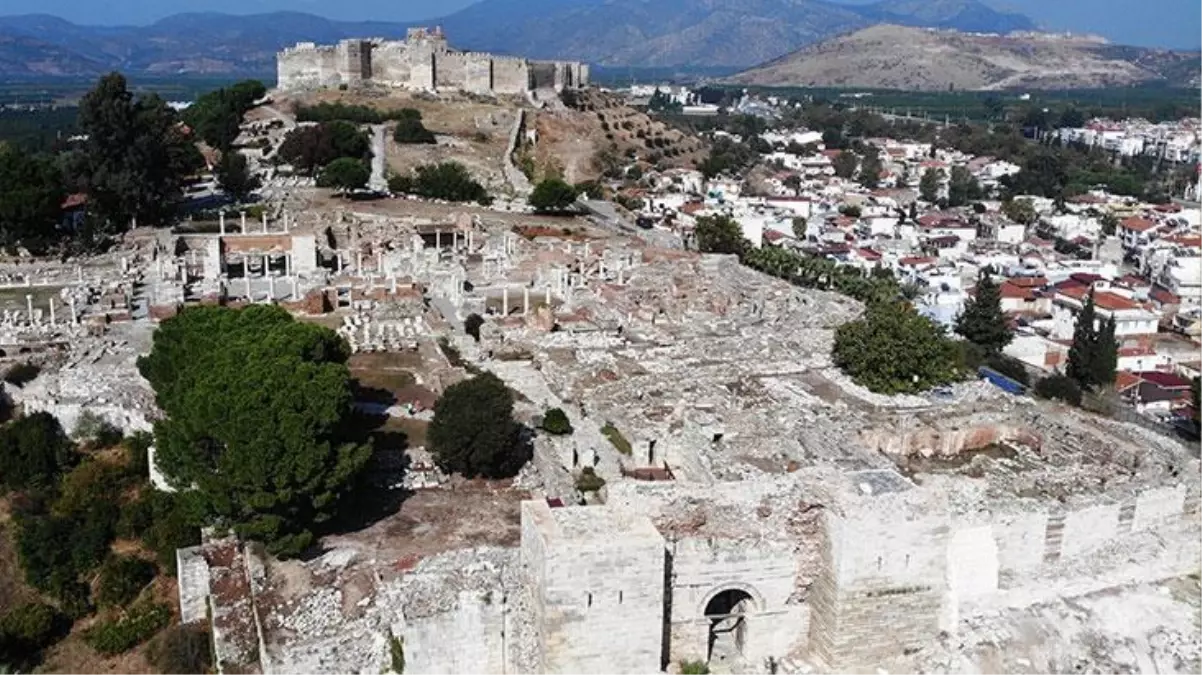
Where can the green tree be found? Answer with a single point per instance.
(310, 148)
(26, 630)
(982, 321)
(845, 164)
(34, 452)
(1059, 388)
(411, 131)
(345, 174)
(555, 421)
(258, 419)
(1106, 355)
(472, 324)
(234, 176)
(928, 185)
(136, 155)
(719, 234)
(473, 431)
(31, 201)
(870, 168)
(552, 196)
(216, 117)
(962, 187)
(1195, 397)
(1083, 355)
(1021, 211)
(894, 350)
(1110, 224)
(122, 578)
(449, 181)
(799, 228)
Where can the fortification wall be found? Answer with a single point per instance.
(700, 569)
(467, 639)
(391, 64)
(450, 70)
(478, 75)
(510, 75)
(308, 66)
(543, 74)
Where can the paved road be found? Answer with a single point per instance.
(605, 215)
(378, 181)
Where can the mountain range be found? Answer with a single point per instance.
(636, 33)
(902, 57)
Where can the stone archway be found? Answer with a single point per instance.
(727, 613)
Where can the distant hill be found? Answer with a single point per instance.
(619, 33)
(902, 57)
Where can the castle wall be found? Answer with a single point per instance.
(391, 64)
(702, 568)
(450, 70)
(478, 74)
(510, 75)
(468, 639)
(308, 67)
(602, 588)
(543, 74)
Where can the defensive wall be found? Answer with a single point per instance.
(422, 62)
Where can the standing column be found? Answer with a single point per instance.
(526, 301)
(338, 259)
(438, 239)
(359, 262)
(52, 321)
(271, 289)
(264, 222)
(295, 290)
(249, 295)
(244, 222)
(380, 262)
(469, 241)
(222, 221)
(287, 264)
(29, 307)
(504, 302)
(547, 296)
(71, 301)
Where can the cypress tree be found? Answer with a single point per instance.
(1107, 355)
(982, 321)
(1083, 355)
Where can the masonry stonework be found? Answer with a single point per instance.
(423, 61)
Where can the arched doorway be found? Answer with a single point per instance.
(726, 613)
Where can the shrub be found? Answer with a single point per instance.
(555, 421)
(345, 174)
(28, 629)
(1059, 388)
(137, 454)
(96, 432)
(472, 324)
(122, 578)
(410, 130)
(1010, 367)
(553, 196)
(136, 626)
(20, 374)
(447, 180)
(396, 653)
(694, 668)
(619, 441)
(34, 451)
(181, 649)
(589, 481)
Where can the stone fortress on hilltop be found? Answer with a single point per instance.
(423, 61)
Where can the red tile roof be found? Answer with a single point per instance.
(1164, 296)
(1136, 224)
(868, 254)
(915, 261)
(774, 235)
(1028, 282)
(1009, 290)
(1102, 300)
(1125, 380)
(1165, 380)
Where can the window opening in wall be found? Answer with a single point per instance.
(590, 599)
(728, 626)
(619, 597)
(717, 438)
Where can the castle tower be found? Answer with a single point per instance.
(597, 578)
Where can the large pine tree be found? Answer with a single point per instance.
(1083, 355)
(982, 321)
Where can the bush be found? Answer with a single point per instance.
(26, 630)
(96, 432)
(472, 324)
(589, 481)
(555, 421)
(447, 180)
(694, 668)
(1059, 388)
(34, 451)
(136, 626)
(894, 350)
(616, 438)
(181, 650)
(1010, 367)
(137, 454)
(396, 653)
(20, 374)
(410, 131)
(122, 578)
(553, 196)
(345, 174)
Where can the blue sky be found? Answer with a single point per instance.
(1159, 23)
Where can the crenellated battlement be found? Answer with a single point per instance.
(422, 61)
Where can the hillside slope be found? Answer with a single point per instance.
(637, 33)
(901, 57)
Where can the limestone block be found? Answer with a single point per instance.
(1156, 506)
(1089, 528)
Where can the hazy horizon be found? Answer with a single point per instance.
(1160, 23)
